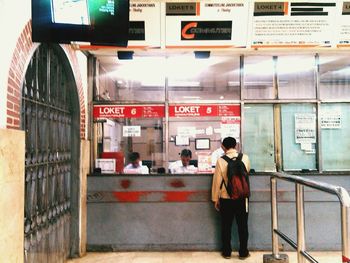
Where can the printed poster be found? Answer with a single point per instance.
(204, 162)
(131, 131)
(295, 23)
(305, 128)
(331, 119)
(343, 21)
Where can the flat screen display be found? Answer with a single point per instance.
(100, 22)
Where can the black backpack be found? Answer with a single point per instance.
(238, 181)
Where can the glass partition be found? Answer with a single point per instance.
(259, 137)
(299, 136)
(335, 130)
(258, 77)
(296, 77)
(216, 78)
(138, 80)
(334, 77)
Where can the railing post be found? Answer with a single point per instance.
(275, 257)
(345, 234)
(274, 218)
(299, 199)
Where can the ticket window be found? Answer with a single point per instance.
(124, 129)
(200, 129)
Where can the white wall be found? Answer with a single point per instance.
(14, 15)
(82, 61)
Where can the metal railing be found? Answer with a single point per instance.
(300, 182)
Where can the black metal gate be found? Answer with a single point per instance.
(47, 119)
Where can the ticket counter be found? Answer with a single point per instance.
(286, 118)
(173, 212)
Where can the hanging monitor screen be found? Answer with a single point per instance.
(100, 22)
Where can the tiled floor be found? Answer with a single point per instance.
(193, 257)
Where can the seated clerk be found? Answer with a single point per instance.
(183, 166)
(135, 166)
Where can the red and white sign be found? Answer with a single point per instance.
(195, 110)
(129, 111)
(231, 120)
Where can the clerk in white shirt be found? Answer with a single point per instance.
(183, 166)
(135, 166)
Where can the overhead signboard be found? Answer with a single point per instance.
(343, 21)
(295, 23)
(145, 24)
(207, 24)
(128, 111)
(196, 110)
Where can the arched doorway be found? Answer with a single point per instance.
(50, 119)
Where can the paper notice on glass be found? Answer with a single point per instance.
(204, 162)
(182, 140)
(217, 130)
(306, 146)
(186, 131)
(331, 119)
(200, 131)
(305, 128)
(230, 130)
(209, 131)
(131, 131)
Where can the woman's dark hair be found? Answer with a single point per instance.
(229, 142)
(186, 153)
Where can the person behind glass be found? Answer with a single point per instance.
(229, 208)
(183, 166)
(135, 166)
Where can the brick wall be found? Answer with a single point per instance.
(20, 59)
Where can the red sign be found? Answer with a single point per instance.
(129, 111)
(197, 110)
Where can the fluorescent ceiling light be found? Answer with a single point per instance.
(192, 97)
(183, 83)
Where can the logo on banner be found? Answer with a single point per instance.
(206, 30)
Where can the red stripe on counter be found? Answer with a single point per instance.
(162, 196)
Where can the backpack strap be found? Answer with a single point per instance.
(227, 159)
